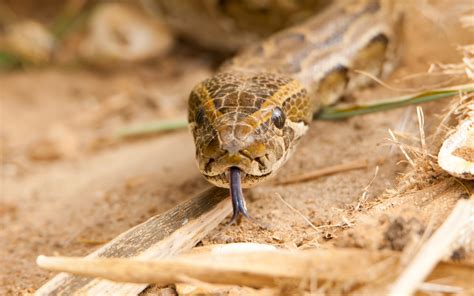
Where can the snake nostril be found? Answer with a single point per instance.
(261, 163)
(209, 164)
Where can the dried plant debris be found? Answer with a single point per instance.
(273, 271)
(423, 170)
(466, 68)
(433, 155)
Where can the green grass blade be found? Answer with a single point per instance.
(8, 60)
(329, 113)
(345, 111)
(152, 128)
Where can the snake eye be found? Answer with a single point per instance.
(199, 117)
(278, 117)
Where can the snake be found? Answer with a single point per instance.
(247, 119)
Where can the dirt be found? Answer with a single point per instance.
(69, 184)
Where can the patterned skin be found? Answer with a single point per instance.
(232, 115)
(252, 113)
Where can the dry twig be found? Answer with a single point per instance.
(358, 164)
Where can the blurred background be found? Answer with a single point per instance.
(108, 32)
(116, 63)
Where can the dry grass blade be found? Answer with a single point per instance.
(365, 193)
(421, 123)
(435, 249)
(297, 212)
(164, 235)
(386, 85)
(400, 145)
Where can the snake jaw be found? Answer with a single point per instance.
(238, 200)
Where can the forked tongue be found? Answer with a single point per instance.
(238, 201)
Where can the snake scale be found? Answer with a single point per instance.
(247, 119)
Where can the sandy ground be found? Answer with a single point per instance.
(68, 185)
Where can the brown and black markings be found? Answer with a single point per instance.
(260, 103)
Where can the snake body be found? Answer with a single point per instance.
(251, 114)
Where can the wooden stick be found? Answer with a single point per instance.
(164, 235)
(358, 164)
(254, 269)
(273, 268)
(459, 221)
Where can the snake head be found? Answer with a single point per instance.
(248, 121)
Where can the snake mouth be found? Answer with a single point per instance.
(251, 170)
(246, 180)
(252, 167)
